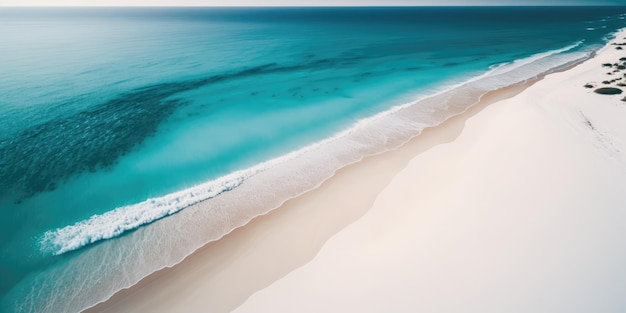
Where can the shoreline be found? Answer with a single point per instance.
(235, 241)
(427, 139)
(521, 212)
(81, 234)
(204, 213)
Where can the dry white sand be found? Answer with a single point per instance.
(524, 212)
(518, 206)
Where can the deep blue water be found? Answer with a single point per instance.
(112, 120)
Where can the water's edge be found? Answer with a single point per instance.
(387, 146)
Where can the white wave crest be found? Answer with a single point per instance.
(114, 223)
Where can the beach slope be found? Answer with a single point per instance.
(523, 212)
(514, 206)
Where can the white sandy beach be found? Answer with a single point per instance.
(517, 205)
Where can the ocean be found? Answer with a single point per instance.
(130, 137)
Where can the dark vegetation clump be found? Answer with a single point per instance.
(608, 91)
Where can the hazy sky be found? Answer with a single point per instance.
(298, 2)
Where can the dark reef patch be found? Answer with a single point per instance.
(41, 157)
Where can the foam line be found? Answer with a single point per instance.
(120, 220)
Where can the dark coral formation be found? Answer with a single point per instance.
(41, 157)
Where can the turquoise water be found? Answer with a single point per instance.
(114, 122)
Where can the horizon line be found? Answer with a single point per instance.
(303, 6)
